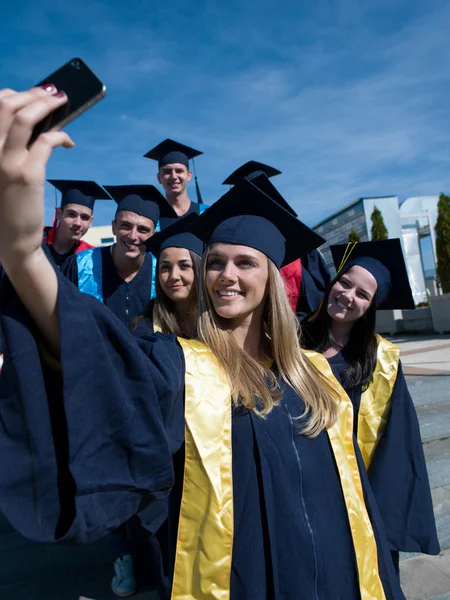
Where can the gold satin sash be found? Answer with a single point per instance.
(341, 438)
(205, 529)
(376, 401)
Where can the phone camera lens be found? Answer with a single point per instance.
(76, 64)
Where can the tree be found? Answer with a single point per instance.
(353, 235)
(378, 231)
(443, 243)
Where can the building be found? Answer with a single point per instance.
(100, 236)
(413, 222)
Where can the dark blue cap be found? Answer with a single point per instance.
(250, 170)
(83, 193)
(385, 261)
(247, 216)
(144, 200)
(170, 152)
(176, 236)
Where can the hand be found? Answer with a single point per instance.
(22, 169)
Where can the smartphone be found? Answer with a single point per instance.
(83, 89)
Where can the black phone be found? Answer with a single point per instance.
(83, 89)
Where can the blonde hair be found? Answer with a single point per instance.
(253, 384)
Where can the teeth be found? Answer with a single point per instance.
(341, 305)
(228, 293)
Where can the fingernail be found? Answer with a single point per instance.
(60, 94)
(48, 87)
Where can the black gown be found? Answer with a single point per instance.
(86, 452)
(166, 217)
(315, 280)
(124, 299)
(398, 473)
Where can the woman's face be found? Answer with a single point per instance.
(351, 295)
(236, 280)
(176, 274)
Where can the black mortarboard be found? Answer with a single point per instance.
(145, 200)
(263, 183)
(247, 216)
(251, 169)
(385, 261)
(176, 236)
(170, 152)
(84, 193)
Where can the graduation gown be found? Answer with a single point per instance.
(124, 299)
(167, 219)
(86, 452)
(397, 472)
(60, 259)
(314, 281)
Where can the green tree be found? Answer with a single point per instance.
(443, 243)
(353, 235)
(378, 231)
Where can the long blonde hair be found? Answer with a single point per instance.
(253, 384)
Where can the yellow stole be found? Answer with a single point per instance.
(205, 530)
(376, 401)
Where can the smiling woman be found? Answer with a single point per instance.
(373, 275)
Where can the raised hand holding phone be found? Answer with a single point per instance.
(22, 176)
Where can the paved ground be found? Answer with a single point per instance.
(426, 363)
(35, 572)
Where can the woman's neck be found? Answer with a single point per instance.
(340, 333)
(186, 318)
(248, 335)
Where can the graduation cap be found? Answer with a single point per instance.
(84, 193)
(144, 200)
(385, 261)
(176, 236)
(247, 216)
(250, 170)
(169, 152)
(263, 183)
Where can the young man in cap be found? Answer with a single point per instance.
(122, 275)
(307, 278)
(174, 174)
(73, 218)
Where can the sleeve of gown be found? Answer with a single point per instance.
(89, 445)
(70, 269)
(315, 279)
(399, 479)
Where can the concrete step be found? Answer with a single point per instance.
(429, 390)
(434, 420)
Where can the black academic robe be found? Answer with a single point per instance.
(85, 453)
(315, 280)
(398, 473)
(168, 219)
(124, 299)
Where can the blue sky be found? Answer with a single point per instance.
(347, 98)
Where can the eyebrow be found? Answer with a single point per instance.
(237, 257)
(347, 278)
(181, 260)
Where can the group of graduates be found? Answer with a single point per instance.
(204, 381)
